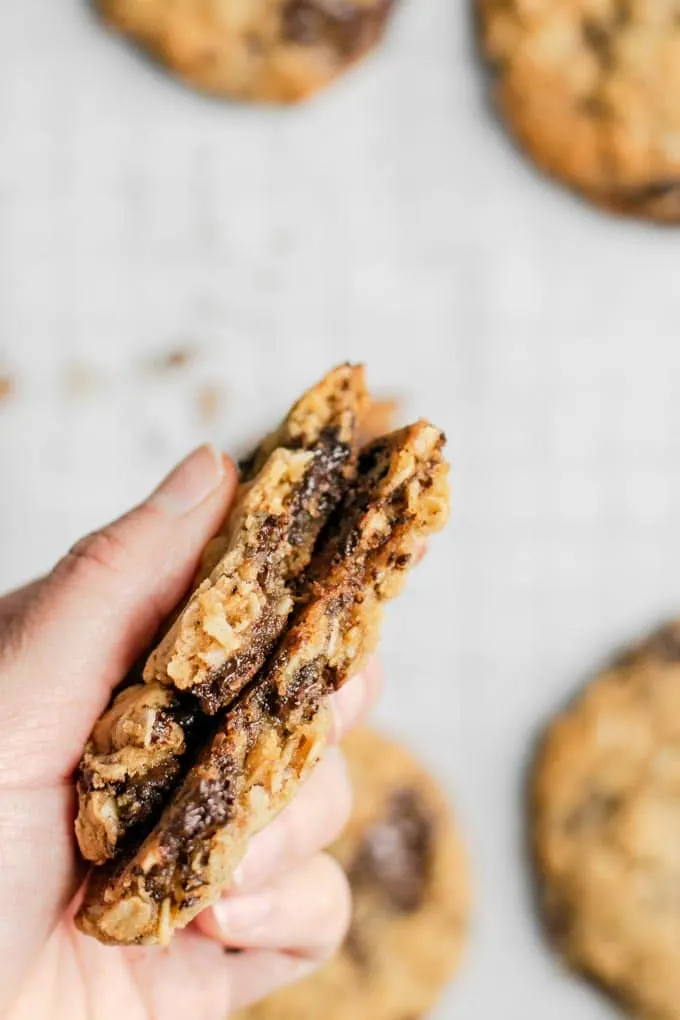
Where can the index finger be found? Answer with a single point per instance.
(353, 702)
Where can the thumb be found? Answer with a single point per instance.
(87, 622)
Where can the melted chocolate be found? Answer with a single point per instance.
(592, 812)
(321, 488)
(348, 27)
(395, 856)
(665, 644)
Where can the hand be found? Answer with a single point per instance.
(65, 642)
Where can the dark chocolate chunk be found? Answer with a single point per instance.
(593, 811)
(665, 644)
(395, 855)
(310, 22)
(598, 37)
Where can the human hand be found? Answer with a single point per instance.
(65, 642)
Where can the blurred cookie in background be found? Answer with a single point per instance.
(403, 857)
(606, 829)
(591, 89)
(275, 51)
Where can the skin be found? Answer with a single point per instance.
(65, 641)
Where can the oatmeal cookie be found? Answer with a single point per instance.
(606, 828)
(403, 857)
(278, 51)
(269, 739)
(231, 620)
(590, 88)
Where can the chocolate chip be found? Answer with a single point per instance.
(355, 947)
(656, 190)
(348, 27)
(593, 811)
(395, 855)
(597, 37)
(658, 199)
(665, 644)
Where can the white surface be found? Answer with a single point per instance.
(388, 221)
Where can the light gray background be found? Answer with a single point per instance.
(388, 221)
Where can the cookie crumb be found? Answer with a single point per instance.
(209, 402)
(79, 379)
(173, 359)
(179, 357)
(7, 387)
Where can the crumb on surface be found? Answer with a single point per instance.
(80, 378)
(209, 399)
(7, 387)
(176, 357)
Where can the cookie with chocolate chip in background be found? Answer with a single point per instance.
(275, 51)
(404, 860)
(605, 802)
(591, 89)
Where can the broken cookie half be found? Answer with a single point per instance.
(260, 749)
(239, 607)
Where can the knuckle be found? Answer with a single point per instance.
(322, 809)
(101, 551)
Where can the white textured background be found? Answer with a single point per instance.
(389, 221)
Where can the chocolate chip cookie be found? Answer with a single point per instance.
(606, 828)
(258, 752)
(278, 51)
(590, 88)
(404, 861)
(237, 610)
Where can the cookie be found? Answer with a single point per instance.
(606, 829)
(404, 860)
(590, 89)
(276, 51)
(231, 620)
(264, 746)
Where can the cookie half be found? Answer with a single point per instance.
(606, 829)
(231, 620)
(267, 742)
(589, 88)
(410, 888)
(277, 51)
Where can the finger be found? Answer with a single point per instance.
(195, 978)
(305, 912)
(15, 602)
(257, 973)
(421, 551)
(353, 702)
(101, 605)
(311, 822)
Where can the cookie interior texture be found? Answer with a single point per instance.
(239, 607)
(278, 51)
(267, 741)
(589, 88)
(403, 857)
(606, 829)
(290, 484)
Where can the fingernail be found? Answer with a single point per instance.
(191, 482)
(243, 917)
